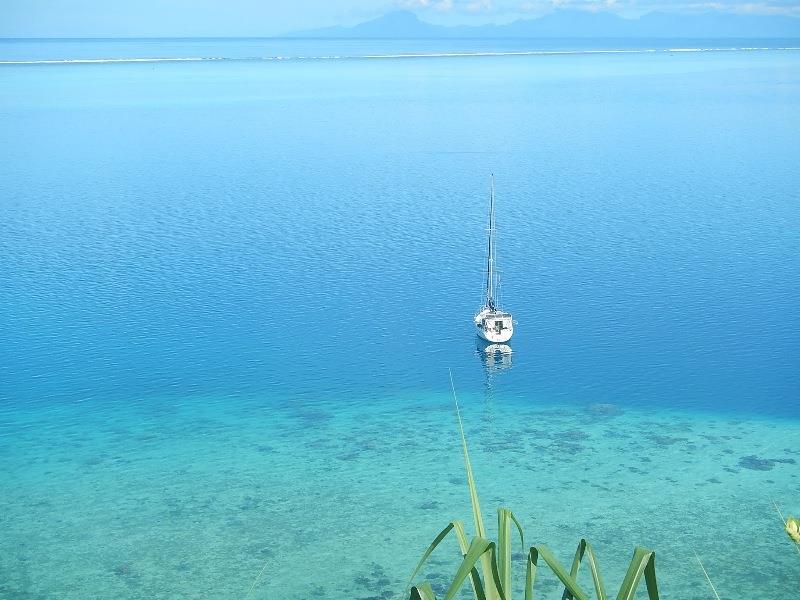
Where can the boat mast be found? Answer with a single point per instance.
(490, 253)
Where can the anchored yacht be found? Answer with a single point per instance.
(493, 323)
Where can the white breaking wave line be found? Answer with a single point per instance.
(382, 56)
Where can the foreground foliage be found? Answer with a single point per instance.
(793, 529)
(487, 564)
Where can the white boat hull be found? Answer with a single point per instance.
(494, 337)
(494, 326)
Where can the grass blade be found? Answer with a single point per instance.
(786, 527)
(594, 569)
(530, 573)
(463, 542)
(492, 592)
(643, 560)
(422, 592)
(708, 579)
(569, 583)
(585, 549)
(457, 527)
(495, 582)
(479, 549)
(473, 492)
(505, 518)
(437, 540)
(256, 580)
(573, 571)
(650, 577)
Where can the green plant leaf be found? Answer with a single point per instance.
(585, 549)
(458, 530)
(505, 518)
(495, 559)
(594, 569)
(643, 562)
(479, 548)
(473, 491)
(569, 583)
(492, 593)
(437, 540)
(422, 592)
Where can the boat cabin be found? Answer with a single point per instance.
(496, 321)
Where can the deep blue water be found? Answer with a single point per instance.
(279, 234)
(246, 227)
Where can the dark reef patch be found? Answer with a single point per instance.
(376, 583)
(754, 463)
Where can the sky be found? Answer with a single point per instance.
(179, 18)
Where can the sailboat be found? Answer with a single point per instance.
(494, 324)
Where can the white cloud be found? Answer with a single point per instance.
(503, 8)
(764, 8)
(587, 5)
(767, 7)
(479, 6)
(440, 5)
(471, 6)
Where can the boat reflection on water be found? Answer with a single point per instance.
(495, 357)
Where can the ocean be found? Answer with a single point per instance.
(232, 289)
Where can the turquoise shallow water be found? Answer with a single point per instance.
(187, 498)
(232, 290)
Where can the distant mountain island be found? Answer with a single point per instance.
(572, 23)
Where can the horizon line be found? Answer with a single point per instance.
(289, 36)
